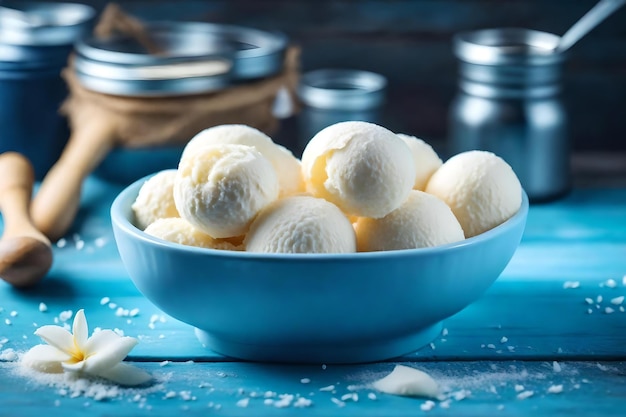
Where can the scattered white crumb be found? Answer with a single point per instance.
(460, 395)
(602, 367)
(608, 310)
(13, 313)
(328, 388)
(525, 394)
(66, 315)
(338, 402)
(555, 389)
(445, 404)
(444, 332)
(284, 401)
(43, 307)
(589, 300)
(571, 284)
(427, 405)
(80, 244)
(305, 380)
(599, 299)
(170, 394)
(432, 345)
(164, 363)
(100, 242)
(511, 348)
(7, 322)
(243, 402)
(519, 388)
(589, 311)
(621, 308)
(556, 367)
(105, 300)
(302, 402)
(504, 339)
(610, 283)
(624, 280)
(491, 346)
(372, 396)
(112, 306)
(134, 312)
(617, 300)
(8, 355)
(351, 396)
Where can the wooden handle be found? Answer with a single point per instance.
(16, 188)
(58, 199)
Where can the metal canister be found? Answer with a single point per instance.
(509, 102)
(35, 41)
(336, 95)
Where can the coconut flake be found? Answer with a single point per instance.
(555, 389)
(525, 394)
(408, 381)
(302, 402)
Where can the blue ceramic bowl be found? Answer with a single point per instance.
(317, 308)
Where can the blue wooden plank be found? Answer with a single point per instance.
(229, 389)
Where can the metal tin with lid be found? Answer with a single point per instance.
(335, 95)
(509, 102)
(193, 58)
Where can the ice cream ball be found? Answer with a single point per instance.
(481, 189)
(301, 224)
(155, 199)
(178, 230)
(426, 160)
(364, 169)
(287, 166)
(422, 221)
(219, 189)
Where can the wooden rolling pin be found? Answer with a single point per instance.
(57, 201)
(25, 253)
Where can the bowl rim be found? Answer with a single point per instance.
(124, 224)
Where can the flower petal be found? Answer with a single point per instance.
(80, 330)
(109, 355)
(100, 340)
(45, 358)
(58, 337)
(125, 374)
(73, 367)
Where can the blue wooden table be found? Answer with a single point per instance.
(549, 337)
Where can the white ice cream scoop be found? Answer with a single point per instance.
(221, 188)
(286, 165)
(155, 199)
(422, 221)
(363, 168)
(481, 189)
(301, 224)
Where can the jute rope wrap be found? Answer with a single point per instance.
(99, 122)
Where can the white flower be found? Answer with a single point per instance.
(100, 355)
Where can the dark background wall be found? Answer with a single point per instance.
(409, 41)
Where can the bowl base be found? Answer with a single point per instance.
(322, 353)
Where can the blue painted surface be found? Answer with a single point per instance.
(509, 337)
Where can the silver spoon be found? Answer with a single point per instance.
(599, 12)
